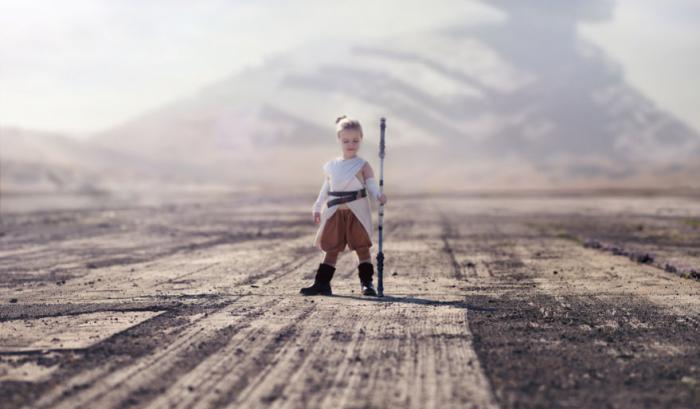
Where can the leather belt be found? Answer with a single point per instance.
(346, 196)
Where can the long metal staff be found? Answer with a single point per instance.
(380, 254)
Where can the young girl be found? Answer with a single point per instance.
(346, 217)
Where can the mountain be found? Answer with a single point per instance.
(524, 102)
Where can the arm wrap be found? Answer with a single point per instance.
(322, 196)
(372, 187)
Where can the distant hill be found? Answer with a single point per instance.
(43, 162)
(33, 161)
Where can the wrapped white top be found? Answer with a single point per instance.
(341, 175)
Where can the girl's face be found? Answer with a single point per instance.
(349, 140)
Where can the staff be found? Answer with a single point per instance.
(380, 254)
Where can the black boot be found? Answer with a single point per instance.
(365, 271)
(322, 281)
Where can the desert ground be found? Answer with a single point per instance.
(588, 300)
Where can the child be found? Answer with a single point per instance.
(346, 217)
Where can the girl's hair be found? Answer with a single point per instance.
(343, 122)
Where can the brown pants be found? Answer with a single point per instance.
(343, 228)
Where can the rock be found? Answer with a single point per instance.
(645, 258)
(592, 244)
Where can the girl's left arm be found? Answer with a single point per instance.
(370, 181)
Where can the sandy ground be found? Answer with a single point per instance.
(571, 302)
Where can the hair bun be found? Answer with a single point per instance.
(338, 119)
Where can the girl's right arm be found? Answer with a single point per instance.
(322, 196)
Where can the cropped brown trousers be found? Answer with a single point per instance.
(341, 229)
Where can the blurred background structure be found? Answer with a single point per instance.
(100, 97)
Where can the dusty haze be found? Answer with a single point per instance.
(501, 96)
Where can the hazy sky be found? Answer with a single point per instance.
(78, 66)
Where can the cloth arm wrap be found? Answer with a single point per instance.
(322, 196)
(372, 187)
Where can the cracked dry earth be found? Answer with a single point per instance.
(490, 303)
